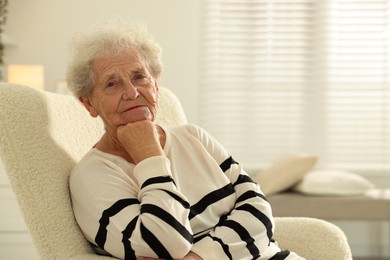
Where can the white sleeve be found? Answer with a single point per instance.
(247, 231)
(148, 217)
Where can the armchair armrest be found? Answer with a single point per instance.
(312, 238)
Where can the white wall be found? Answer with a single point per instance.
(43, 28)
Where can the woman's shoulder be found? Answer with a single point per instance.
(97, 168)
(91, 157)
(191, 129)
(94, 161)
(192, 132)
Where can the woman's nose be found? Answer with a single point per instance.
(129, 91)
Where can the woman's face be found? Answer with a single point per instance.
(124, 91)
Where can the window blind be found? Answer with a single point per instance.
(289, 76)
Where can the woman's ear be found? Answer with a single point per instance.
(89, 106)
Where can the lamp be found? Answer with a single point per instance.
(29, 75)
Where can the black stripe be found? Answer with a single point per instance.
(246, 179)
(129, 251)
(154, 243)
(211, 198)
(183, 202)
(222, 218)
(227, 163)
(101, 235)
(169, 219)
(250, 194)
(260, 216)
(197, 239)
(245, 236)
(243, 179)
(159, 179)
(280, 255)
(98, 250)
(225, 247)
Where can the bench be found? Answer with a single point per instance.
(374, 205)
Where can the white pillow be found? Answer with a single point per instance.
(333, 182)
(285, 173)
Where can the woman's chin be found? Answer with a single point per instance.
(135, 116)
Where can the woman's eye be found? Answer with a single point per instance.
(141, 79)
(111, 84)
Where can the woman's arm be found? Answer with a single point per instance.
(248, 229)
(127, 215)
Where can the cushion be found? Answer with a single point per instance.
(333, 182)
(285, 173)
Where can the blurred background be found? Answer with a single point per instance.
(267, 78)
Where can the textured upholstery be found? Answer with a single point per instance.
(42, 136)
(312, 238)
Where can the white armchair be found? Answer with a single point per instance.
(42, 136)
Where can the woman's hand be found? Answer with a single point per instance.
(191, 256)
(140, 139)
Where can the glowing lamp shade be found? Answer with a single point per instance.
(28, 75)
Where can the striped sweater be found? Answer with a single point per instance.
(195, 198)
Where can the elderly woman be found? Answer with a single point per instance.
(146, 191)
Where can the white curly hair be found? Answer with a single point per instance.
(115, 37)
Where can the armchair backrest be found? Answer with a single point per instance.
(42, 136)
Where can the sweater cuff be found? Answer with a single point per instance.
(155, 166)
